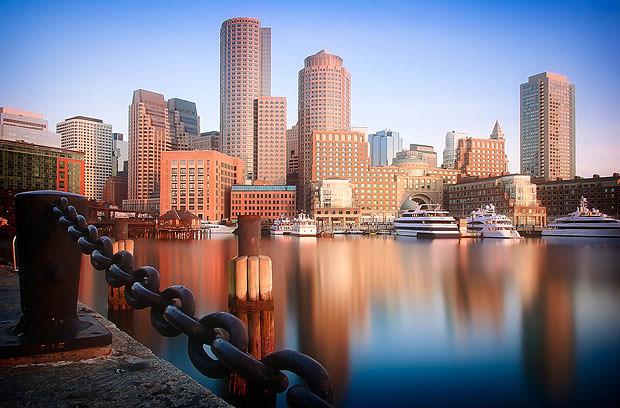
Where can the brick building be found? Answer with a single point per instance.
(562, 197)
(268, 202)
(199, 181)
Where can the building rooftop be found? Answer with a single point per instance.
(173, 214)
(240, 187)
(84, 118)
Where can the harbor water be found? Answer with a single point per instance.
(405, 322)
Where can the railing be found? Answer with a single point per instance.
(172, 313)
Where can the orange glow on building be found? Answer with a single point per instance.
(268, 202)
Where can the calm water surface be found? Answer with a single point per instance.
(401, 322)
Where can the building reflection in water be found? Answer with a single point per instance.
(367, 307)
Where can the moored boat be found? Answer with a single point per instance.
(426, 221)
(486, 223)
(303, 226)
(584, 223)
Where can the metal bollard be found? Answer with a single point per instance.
(49, 274)
(249, 235)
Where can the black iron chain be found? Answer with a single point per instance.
(172, 313)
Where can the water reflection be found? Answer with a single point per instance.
(400, 321)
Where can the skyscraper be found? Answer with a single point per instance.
(149, 136)
(120, 153)
(29, 127)
(94, 138)
(548, 127)
(184, 123)
(270, 139)
(384, 145)
(292, 155)
(324, 99)
(245, 74)
(449, 152)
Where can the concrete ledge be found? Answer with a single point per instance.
(130, 376)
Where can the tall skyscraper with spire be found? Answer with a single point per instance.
(548, 127)
(245, 75)
(497, 133)
(324, 103)
(149, 136)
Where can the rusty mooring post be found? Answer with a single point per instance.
(49, 272)
(116, 296)
(250, 286)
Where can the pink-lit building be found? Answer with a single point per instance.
(245, 75)
(324, 97)
(268, 202)
(199, 181)
(149, 137)
(270, 139)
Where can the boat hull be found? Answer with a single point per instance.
(429, 234)
(584, 233)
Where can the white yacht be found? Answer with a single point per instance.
(584, 223)
(214, 228)
(281, 226)
(426, 221)
(303, 226)
(486, 223)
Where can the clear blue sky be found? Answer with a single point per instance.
(421, 68)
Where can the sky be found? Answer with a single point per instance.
(421, 68)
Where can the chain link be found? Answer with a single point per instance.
(172, 313)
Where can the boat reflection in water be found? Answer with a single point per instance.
(400, 322)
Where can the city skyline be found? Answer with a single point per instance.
(441, 88)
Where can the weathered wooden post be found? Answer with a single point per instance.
(250, 298)
(116, 296)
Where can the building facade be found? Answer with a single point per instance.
(120, 153)
(384, 145)
(115, 189)
(449, 152)
(184, 123)
(548, 127)
(417, 153)
(245, 74)
(562, 197)
(199, 181)
(292, 156)
(149, 138)
(29, 127)
(324, 103)
(512, 195)
(268, 202)
(94, 138)
(335, 193)
(207, 141)
(481, 157)
(270, 139)
(27, 167)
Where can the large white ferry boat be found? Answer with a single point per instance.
(303, 226)
(584, 223)
(281, 226)
(426, 221)
(214, 228)
(486, 223)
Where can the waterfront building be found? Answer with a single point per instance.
(449, 152)
(562, 197)
(245, 74)
(94, 138)
(482, 157)
(120, 153)
(149, 137)
(27, 167)
(548, 127)
(199, 181)
(417, 153)
(513, 195)
(292, 156)
(267, 201)
(207, 141)
(184, 123)
(384, 145)
(270, 139)
(345, 155)
(335, 193)
(29, 127)
(115, 189)
(324, 103)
